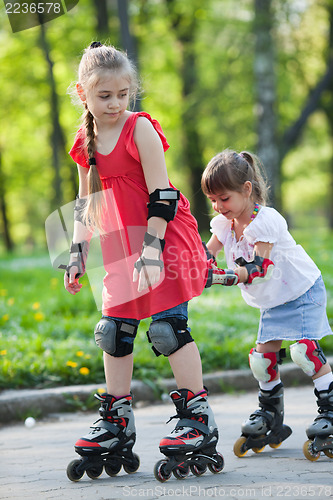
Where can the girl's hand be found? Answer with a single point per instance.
(148, 276)
(71, 284)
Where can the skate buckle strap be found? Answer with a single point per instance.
(109, 426)
(324, 415)
(113, 412)
(187, 422)
(325, 406)
(182, 412)
(266, 414)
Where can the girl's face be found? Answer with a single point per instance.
(107, 100)
(233, 204)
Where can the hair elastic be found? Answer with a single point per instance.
(95, 45)
(92, 161)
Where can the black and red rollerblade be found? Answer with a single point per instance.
(191, 446)
(109, 443)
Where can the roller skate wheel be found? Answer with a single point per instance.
(239, 450)
(198, 470)
(181, 472)
(72, 473)
(94, 472)
(308, 451)
(329, 453)
(257, 449)
(216, 468)
(275, 445)
(112, 467)
(130, 469)
(159, 472)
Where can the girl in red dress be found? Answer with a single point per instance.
(154, 262)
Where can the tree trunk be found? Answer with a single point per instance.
(185, 31)
(264, 71)
(315, 101)
(193, 152)
(102, 17)
(9, 245)
(57, 137)
(272, 149)
(128, 41)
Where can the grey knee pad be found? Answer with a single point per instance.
(168, 335)
(115, 337)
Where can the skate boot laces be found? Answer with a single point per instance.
(190, 408)
(113, 409)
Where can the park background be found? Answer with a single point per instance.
(251, 74)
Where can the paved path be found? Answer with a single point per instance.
(33, 461)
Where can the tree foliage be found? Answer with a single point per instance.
(197, 66)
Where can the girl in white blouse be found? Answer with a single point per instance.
(277, 276)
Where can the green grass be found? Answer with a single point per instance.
(46, 334)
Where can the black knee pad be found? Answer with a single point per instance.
(168, 335)
(115, 337)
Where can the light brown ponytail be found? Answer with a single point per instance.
(257, 177)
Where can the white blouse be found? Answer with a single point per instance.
(294, 271)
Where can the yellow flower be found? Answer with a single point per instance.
(79, 353)
(84, 370)
(72, 364)
(11, 301)
(5, 317)
(3, 292)
(35, 306)
(3, 352)
(87, 356)
(39, 316)
(101, 390)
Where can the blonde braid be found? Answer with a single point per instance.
(94, 209)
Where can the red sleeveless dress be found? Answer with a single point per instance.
(185, 264)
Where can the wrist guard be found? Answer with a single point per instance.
(217, 276)
(209, 255)
(150, 241)
(78, 258)
(259, 269)
(166, 212)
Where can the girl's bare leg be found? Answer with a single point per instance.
(186, 366)
(118, 374)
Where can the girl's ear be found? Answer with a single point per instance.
(247, 188)
(80, 92)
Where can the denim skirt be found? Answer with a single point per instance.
(302, 318)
